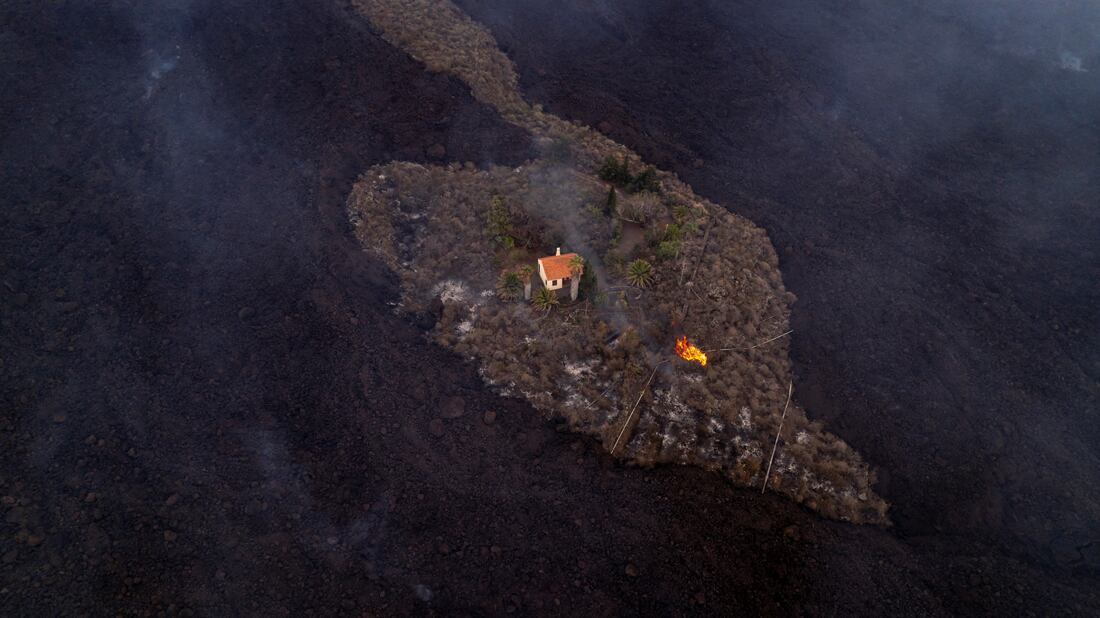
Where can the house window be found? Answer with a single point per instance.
(553, 282)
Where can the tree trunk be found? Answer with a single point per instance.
(527, 291)
(574, 287)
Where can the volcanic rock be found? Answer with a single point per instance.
(436, 151)
(435, 427)
(452, 407)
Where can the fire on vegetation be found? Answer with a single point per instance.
(688, 351)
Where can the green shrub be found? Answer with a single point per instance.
(509, 285)
(498, 223)
(639, 273)
(673, 232)
(668, 249)
(645, 181)
(615, 171)
(589, 284)
(545, 299)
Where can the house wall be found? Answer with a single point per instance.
(550, 284)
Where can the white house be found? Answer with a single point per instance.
(556, 269)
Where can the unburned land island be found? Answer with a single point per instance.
(653, 267)
(593, 341)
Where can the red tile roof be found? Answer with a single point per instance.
(557, 266)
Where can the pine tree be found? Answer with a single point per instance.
(611, 206)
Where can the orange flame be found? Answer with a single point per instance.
(689, 352)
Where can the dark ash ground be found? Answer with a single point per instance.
(207, 405)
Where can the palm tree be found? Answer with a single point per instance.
(576, 265)
(509, 285)
(545, 299)
(576, 268)
(525, 273)
(639, 273)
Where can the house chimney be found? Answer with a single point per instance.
(558, 252)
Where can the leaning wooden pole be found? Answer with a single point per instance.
(753, 347)
(631, 414)
(790, 387)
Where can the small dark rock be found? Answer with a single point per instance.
(995, 440)
(426, 320)
(437, 151)
(1091, 555)
(1065, 551)
(435, 427)
(452, 407)
(96, 540)
(489, 417)
(246, 313)
(631, 570)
